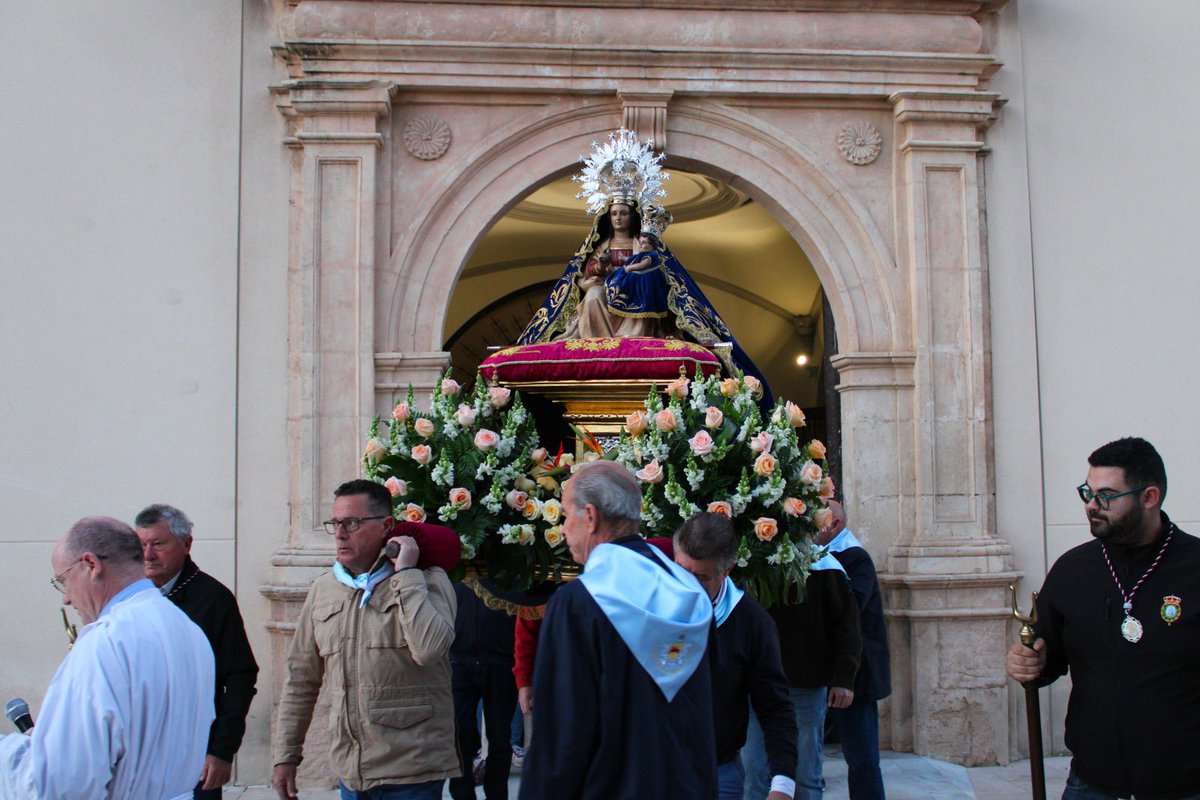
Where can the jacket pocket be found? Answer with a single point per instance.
(401, 717)
(327, 628)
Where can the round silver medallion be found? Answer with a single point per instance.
(1131, 629)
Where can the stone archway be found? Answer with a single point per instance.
(895, 233)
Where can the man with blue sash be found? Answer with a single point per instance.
(745, 663)
(623, 705)
(857, 725)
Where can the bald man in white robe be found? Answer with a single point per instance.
(128, 713)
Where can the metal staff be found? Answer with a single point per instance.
(1033, 708)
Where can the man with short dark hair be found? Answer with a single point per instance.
(623, 705)
(377, 632)
(1120, 612)
(166, 536)
(128, 713)
(745, 663)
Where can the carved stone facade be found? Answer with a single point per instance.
(378, 238)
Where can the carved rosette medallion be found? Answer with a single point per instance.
(860, 143)
(427, 138)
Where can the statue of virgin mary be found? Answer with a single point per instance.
(624, 281)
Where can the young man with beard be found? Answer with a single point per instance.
(1122, 613)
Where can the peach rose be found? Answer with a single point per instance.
(465, 415)
(701, 444)
(401, 412)
(552, 511)
(423, 427)
(414, 513)
(722, 508)
(713, 417)
(821, 518)
(524, 484)
(525, 535)
(498, 396)
(761, 442)
(678, 388)
(826, 490)
(450, 387)
(665, 420)
(811, 474)
(376, 450)
(539, 455)
(651, 473)
(516, 499)
(635, 423)
(765, 465)
(486, 440)
(532, 508)
(422, 454)
(754, 385)
(795, 416)
(765, 529)
(794, 507)
(548, 483)
(460, 497)
(554, 536)
(816, 450)
(396, 487)
(729, 387)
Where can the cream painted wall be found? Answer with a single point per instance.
(1093, 195)
(119, 265)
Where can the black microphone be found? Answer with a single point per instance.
(17, 710)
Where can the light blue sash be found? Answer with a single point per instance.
(366, 581)
(727, 600)
(662, 616)
(844, 541)
(827, 561)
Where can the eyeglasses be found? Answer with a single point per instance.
(351, 524)
(1103, 499)
(57, 580)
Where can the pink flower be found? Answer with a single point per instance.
(465, 415)
(414, 513)
(422, 454)
(376, 450)
(761, 442)
(826, 490)
(396, 487)
(729, 387)
(401, 412)
(665, 420)
(450, 387)
(636, 423)
(498, 396)
(460, 497)
(794, 507)
(651, 473)
(754, 385)
(516, 499)
(764, 465)
(701, 443)
(539, 455)
(811, 474)
(486, 440)
(765, 529)
(423, 427)
(713, 417)
(795, 415)
(821, 518)
(678, 388)
(816, 449)
(721, 507)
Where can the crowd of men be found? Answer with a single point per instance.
(654, 673)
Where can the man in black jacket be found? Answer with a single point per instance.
(166, 536)
(745, 661)
(857, 725)
(1122, 613)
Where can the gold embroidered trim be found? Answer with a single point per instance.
(592, 344)
(499, 604)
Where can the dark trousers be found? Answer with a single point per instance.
(857, 728)
(205, 794)
(495, 686)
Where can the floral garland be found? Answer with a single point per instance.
(472, 462)
(708, 449)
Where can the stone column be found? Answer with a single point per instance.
(948, 568)
(335, 138)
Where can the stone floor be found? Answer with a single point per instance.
(906, 777)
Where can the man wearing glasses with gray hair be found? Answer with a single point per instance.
(1122, 613)
(128, 713)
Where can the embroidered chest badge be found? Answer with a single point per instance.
(1170, 610)
(671, 657)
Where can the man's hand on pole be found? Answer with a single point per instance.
(1026, 664)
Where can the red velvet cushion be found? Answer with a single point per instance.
(439, 545)
(598, 359)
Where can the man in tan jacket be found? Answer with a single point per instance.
(377, 633)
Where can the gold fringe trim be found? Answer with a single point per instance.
(507, 606)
